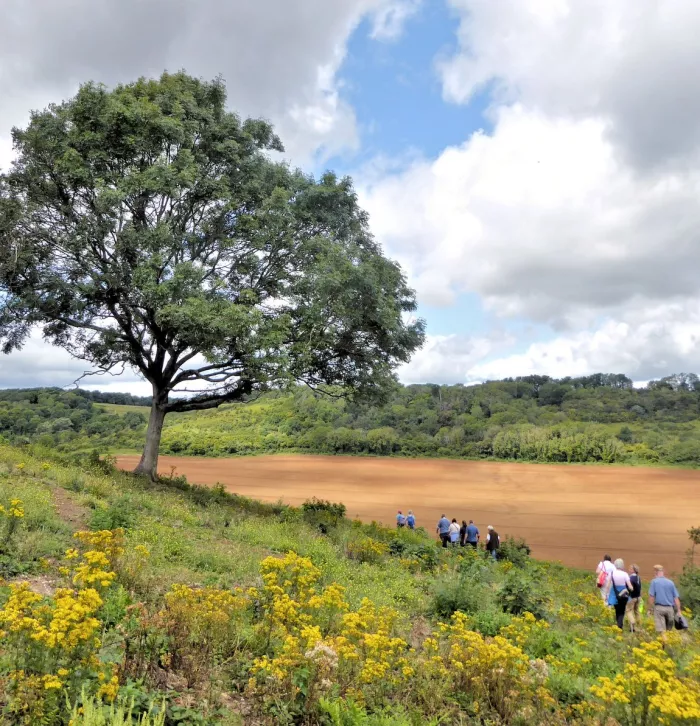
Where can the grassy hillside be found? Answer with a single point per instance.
(121, 409)
(206, 608)
(594, 419)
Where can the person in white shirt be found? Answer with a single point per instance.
(620, 588)
(454, 532)
(606, 567)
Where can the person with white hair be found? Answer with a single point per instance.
(620, 589)
(493, 542)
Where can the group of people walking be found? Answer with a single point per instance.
(622, 590)
(466, 535)
(453, 534)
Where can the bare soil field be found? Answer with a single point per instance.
(573, 514)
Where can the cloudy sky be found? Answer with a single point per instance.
(533, 164)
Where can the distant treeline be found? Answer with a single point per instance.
(600, 417)
(534, 418)
(60, 418)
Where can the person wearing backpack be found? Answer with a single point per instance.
(603, 571)
(411, 520)
(620, 589)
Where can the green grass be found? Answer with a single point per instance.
(120, 410)
(204, 537)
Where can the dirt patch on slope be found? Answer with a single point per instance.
(569, 513)
(69, 510)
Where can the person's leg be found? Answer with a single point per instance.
(444, 537)
(632, 604)
(670, 618)
(620, 608)
(494, 554)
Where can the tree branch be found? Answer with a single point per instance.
(202, 403)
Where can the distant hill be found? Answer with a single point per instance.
(594, 418)
(601, 418)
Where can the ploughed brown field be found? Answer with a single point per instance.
(573, 514)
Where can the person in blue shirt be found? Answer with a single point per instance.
(400, 520)
(472, 537)
(411, 520)
(664, 601)
(443, 529)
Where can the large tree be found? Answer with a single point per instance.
(147, 226)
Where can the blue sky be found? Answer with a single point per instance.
(529, 164)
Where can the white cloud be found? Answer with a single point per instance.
(390, 19)
(447, 358)
(542, 220)
(279, 58)
(41, 364)
(633, 64)
(581, 204)
(649, 343)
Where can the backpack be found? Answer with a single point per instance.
(602, 578)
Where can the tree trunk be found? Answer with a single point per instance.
(149, 459)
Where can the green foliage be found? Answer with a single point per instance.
(689, 587)
(323, 514)
(189, 650)
(498, 419)
(91, 712)
(521, 592)
(514, 550)
(468, 589)
(195, 243)
(119, 514)
(342, 712)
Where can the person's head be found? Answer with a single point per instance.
(410, 511)
(444, 517)
(607, 558)
(464, 523)
(635, 569)
(399, 511)
(471, 521)
(619, 564)
(659, 570)
(490, 528)
(454, 520)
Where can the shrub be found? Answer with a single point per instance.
(121, 514)
(514, 550)
(521, 592)
(323, 514)
(459, 594)
(689, 585)
(366, 549)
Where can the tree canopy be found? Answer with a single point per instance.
(147, 226)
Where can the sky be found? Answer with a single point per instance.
(534, 165)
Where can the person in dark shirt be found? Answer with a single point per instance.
(463, 534)
(634, 598)
(493, 542)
